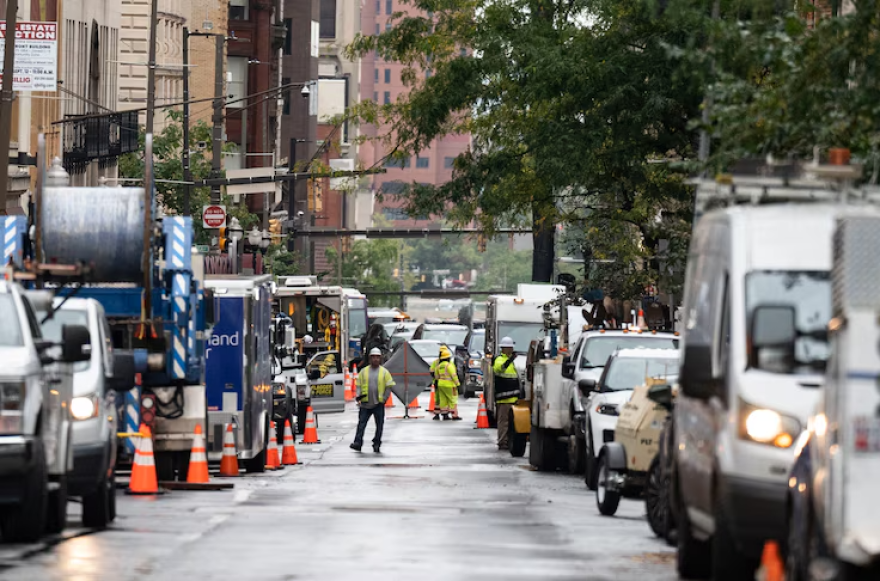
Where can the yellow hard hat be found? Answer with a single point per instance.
(330, 358)
(444, 352)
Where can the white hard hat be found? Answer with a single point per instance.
(375, 351)
(507, 342)
(307, 339)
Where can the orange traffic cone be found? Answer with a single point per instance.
(229, 461)
(198, 459)
(310, 436)
(414, 404)
(640, 322)
(273, 462)
(432, 404)
(771, 562)
(288, 452)
(143, 471)
(482, 416)
(389, 401)
(348, 393)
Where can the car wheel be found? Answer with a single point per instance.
(607, 499)
(540, 454)
(112, 499)
(257, 464)
(728, 562)
(576, 454)
(56, 511)
(589, 463)
(693, 558)
(96, 509)
(796, 553)
(655, 500)
(24, 522)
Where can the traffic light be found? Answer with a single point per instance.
(275, 230)
(222, 240)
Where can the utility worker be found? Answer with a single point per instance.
(446, 384)
(506, 388)
(373, 383)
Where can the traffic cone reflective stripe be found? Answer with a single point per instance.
(198, 459)
(273, 462)
(143, 471)
(229, 461)
(310, 436)
(432, 404)
(482, 416)
(288, 454)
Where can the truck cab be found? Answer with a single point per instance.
(36, 454)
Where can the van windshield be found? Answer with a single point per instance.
(597, 350)
(809, 292)
(10, 330)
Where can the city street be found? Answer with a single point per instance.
(439, 503)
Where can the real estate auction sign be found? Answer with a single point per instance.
(36, 55)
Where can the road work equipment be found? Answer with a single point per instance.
(482, 417)
(229, 462)
(198, 460)
(311, 434)
(288, 453)
(273, 461)
(143, 471)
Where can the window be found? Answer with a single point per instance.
(238, 9)
(422, 162)
(597, 350)
(286, 108)
(394, 214)
(387, 75)
(377, 29)
(387, 26)
(328, 19)
(428, 74)
(237, 87)
(389, 6)
(378, 6)
(288, 36)
(10, 330)
(386, 97)
(375, 75)
(397, 163)
(448, 162)
(393, 188)
(375, 97)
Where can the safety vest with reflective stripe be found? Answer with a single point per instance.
(363, 382)
(445, 374)
(506, 380)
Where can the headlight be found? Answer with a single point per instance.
(607, 409)
(474, 363)
(767, 426)
(13, 395)
(83, 408)
(278, 388)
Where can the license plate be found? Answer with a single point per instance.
(866, 435)
(325, 390)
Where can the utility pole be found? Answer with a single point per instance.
(6, 97)
(217, 147)
(148, 157)
(151, 68)
(187, 173)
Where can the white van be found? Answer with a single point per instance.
(743, 399)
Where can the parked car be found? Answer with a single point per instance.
(400, 332)
(326, 382)
(476, 352)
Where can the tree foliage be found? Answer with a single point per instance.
(367, 266)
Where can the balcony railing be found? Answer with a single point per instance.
(101, 139)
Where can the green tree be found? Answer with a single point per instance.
(368, 266)
(575, 108)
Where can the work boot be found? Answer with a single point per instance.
(436, 417)
(376, 448)
(456, 418)
(446, 417)
(355, 447)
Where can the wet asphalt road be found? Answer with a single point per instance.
(440, 502)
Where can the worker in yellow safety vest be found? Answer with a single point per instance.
(373, 386)
(507, 389)
(446, 386)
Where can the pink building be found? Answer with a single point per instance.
(381, 82)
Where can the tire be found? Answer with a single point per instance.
(112, 499)
(728, 562)
(541, 450)
(576, 455)
(257, 464)
(693, 559)
(516, 440)
(56, 510)
(656, 503)
(590, 468)
(606, 500)
(96, 509)
(24, 522)
(797, 550)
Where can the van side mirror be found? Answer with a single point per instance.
(567, 367)
(123, 371)
(76, 344)
(661, 394)
(586, 386)
(774, 328)
(696, 377)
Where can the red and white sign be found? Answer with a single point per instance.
(214, 216)
(36, 55)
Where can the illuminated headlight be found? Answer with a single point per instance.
(84, 408)
(473, 363)
(13, 395)
(278, 388)
(607, 409)
(767, 426)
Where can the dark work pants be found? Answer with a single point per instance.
(364, 415)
